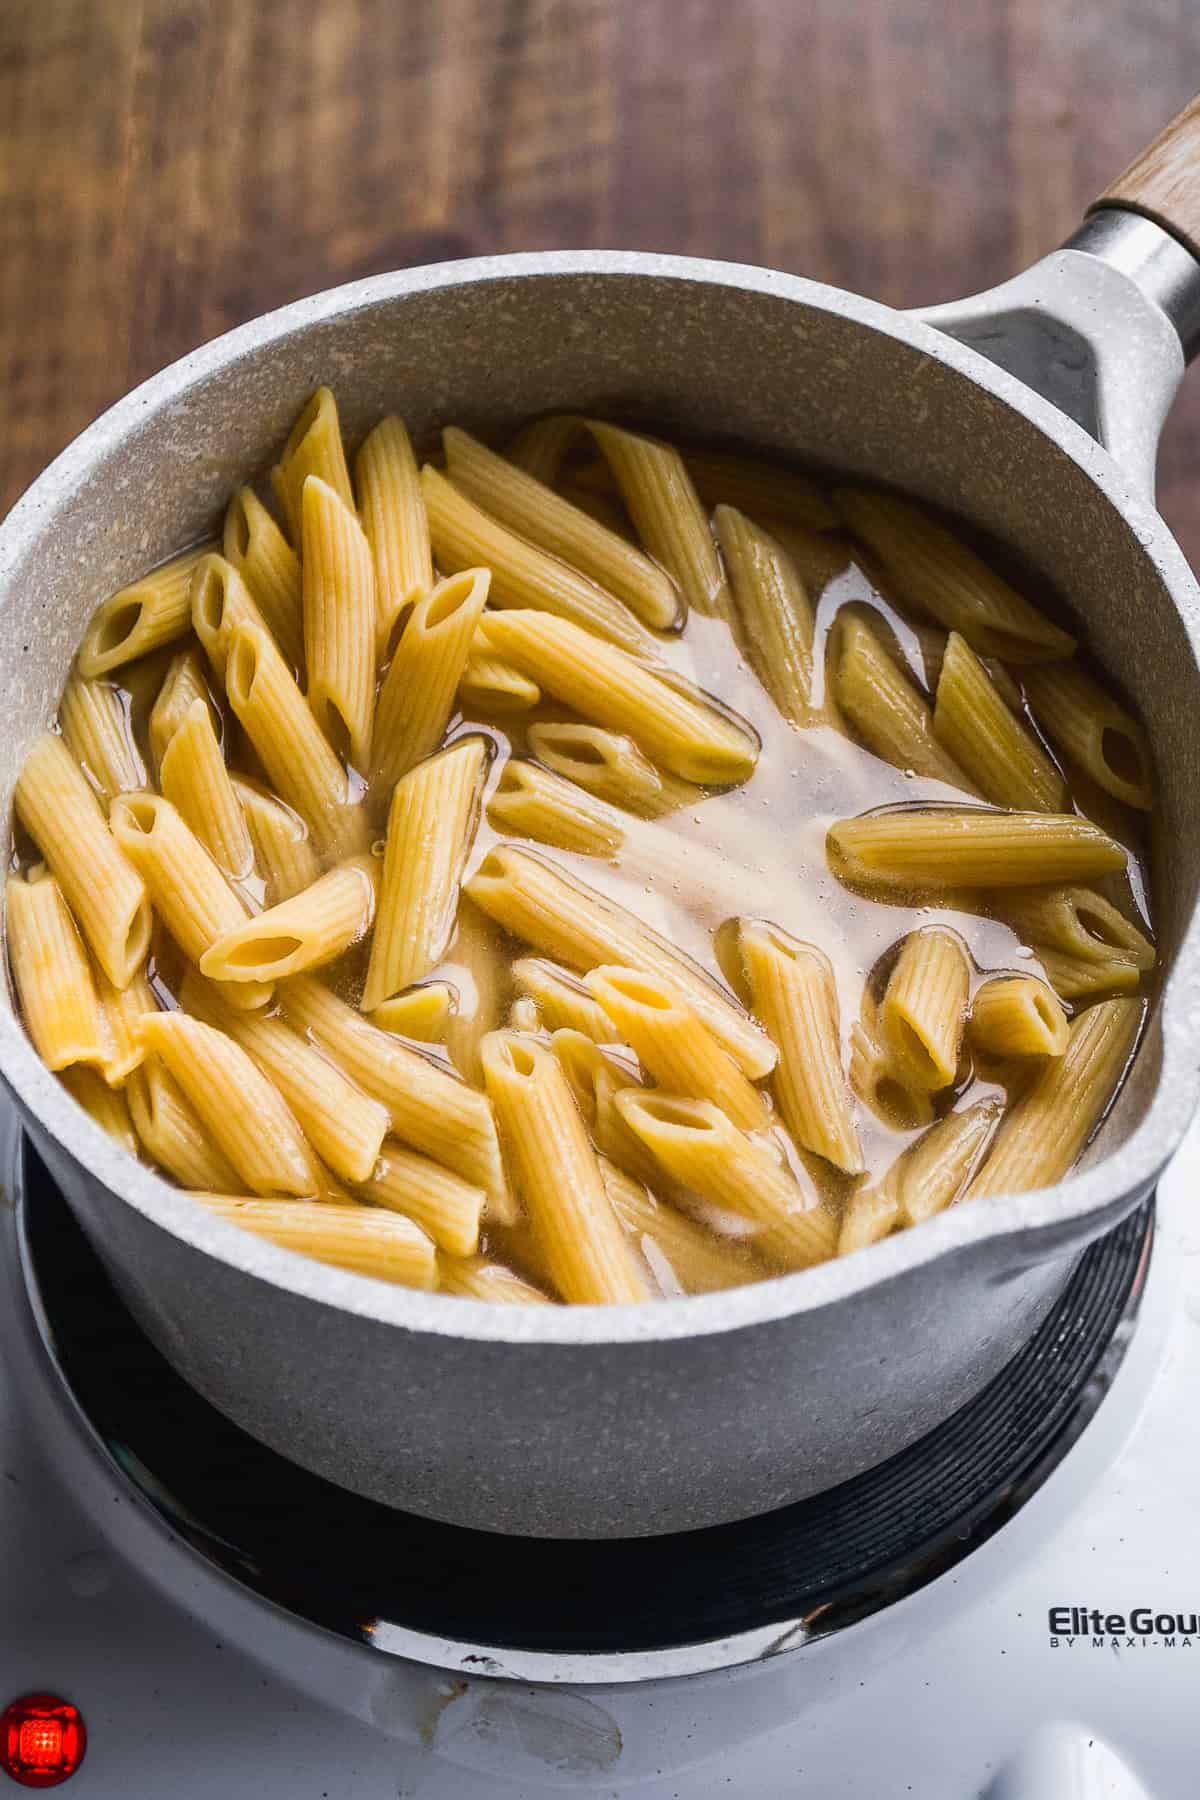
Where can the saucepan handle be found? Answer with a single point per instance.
(1163, 183)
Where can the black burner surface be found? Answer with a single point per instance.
(344, 1562)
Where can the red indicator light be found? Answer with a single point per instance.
(42, 1740)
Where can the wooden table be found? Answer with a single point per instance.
(171, 167)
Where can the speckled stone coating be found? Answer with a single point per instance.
(594, 1421)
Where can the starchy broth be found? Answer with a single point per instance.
(780, 960)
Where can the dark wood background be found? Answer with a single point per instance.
(171, 167)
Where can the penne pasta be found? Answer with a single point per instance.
(772, 613)
(477, 971)
(430, 1108)
(935, 572)
(577, 926)
(522, 575)
(94, 719)
(925, 1179)
(762, 489)
(142, 617)
(884, 708)
(1083, 977)
(283, 851)
(523, 1015)
(557, 1174)
(183, 683)
(431, 825)
(1040, 1137)
(393, 517)
(104, 892)
(1017, 1015)
(254, 545)
(243, 1113)
(493, 687)
(190, 894)
(171, 1133)
(359, 1238)
(339, 620)
(946, 846)
(923, 1012)
(479, 1278)
(596, 1078)
(610, 766)
(313, 448)
(445, 1206)
(416, 700)
(54, 983)
(673, 1045)
(665, 508)
(108, 1106)
(877, 1081)
(562, 1000)
(681, 730)
(702, 1149)
(221, 602)
(305, 932)
(684, 1257)
(423, 1012)
(793, 995)
(1094, 731)
(532, 509)
(1077, 921)
(541, 446)
(124, 1009)
(978, 728)
(193, 777)
(532, 802)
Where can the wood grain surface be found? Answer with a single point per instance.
(169, 168)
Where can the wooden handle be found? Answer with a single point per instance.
(1164, 181)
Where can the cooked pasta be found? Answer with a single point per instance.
(594, 870)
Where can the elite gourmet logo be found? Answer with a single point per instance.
(1141, 1629)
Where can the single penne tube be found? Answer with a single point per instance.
(575, 925)
(883, 707)
(684, 1257)
(102, 888)
(193, 777)
(243, 1112)
(422, 1013)
(761, 489)
(305, 932)
(1083, 978)
(345, 1126)
(606, 508)
(923, 1012)
(339, 620)
(672, 1043)
(875, 1078)
(108, 1106)
(479, 1278)
(532, 509)
(946, 847)
(313, 448)
(682, 730)
(532, 802)
(283, 851)
(773, 616)
(541, 447)
(221, 602)
(702, 1149)
(930, 1174)
(1017, 1015)
(137, 619)
(124, 1009)
(596, 1078)
(290, 744)
(491, 686)
(872, 1214)
(431, 825)
(172, 1134)
(662, 501)
(1091, 728)
(416, 700)
(1077, 921)
(430, 1108)
(393, 517)
(59, 1004)
(478, 970)
(976, 726)
(1040, 1137)
(183, 683)
(793, 994)
(610, 766)
(557, 1174)
(190, 894)
(93, 717)
(934, 572)
(464, 537)
(360, 1238)
(254, 545)
(445, 1206)
(562, 1000)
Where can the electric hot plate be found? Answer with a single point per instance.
(536, 1609)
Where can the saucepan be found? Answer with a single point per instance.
(1031, 411)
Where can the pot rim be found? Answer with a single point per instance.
(1121, 1177)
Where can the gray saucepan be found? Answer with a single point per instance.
(1033, 412)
